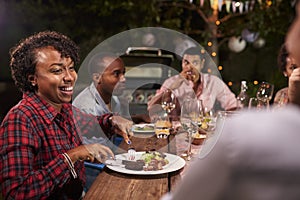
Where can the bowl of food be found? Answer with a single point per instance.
(198, 138)
(143, 128)
(162, 128)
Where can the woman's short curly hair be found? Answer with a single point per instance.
(23, 55)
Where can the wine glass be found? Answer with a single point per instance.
(168, 101)
(209, 120)
(265, 92)
(257, 104)
(189, 121)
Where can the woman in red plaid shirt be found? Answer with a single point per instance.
(40, 138)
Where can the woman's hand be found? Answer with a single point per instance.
(294, 87)
(122, 126)
(90, 152)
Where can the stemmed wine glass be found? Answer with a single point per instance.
(189, 120)
(265, 92)
(168, 101)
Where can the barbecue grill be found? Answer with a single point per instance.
(146, 70)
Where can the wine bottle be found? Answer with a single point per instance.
(243, 98)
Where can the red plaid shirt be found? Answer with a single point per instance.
(33, 137)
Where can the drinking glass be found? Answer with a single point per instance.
(209, 120)
(201, 113)
(189, 121)
(265, 92)
(255, 103)
(168, 101)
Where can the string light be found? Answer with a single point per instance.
(209, 44)
(220, 68)
(237, 4)
(230, 83)
(218, 22)
(214, 54)
(255, 82)
(209, 70)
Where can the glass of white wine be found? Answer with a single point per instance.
(168, 101)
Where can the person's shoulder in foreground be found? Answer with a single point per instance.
(254, 157)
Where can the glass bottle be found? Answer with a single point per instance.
(243, 98)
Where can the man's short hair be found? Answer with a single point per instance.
(97, 64)
(195, 51)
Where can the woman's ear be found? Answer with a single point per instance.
(31, 78)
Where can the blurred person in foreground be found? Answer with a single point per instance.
(286, 65)
(256, 155)
(292, 45)
(40, 138)
(102, 96)
(191, 82)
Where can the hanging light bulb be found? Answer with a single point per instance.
(252, 5)
(220, 4)
(228, 3)
(201, 3)
(214, 4)
(241, 6)
(233, 6)
(236, 44)
(246, 6)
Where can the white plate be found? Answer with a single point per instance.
(175, 163)
(142, 126)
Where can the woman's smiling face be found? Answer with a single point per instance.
(54, 76)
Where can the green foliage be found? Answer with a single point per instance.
(90, 22)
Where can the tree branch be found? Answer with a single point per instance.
(229, 16)
(187, 6)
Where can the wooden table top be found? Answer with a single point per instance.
(114, 185)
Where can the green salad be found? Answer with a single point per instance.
(155, 155)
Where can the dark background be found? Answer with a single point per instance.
(90, 22)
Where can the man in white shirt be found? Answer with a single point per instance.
(191, 82)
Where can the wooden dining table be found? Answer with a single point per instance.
(115, 185)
